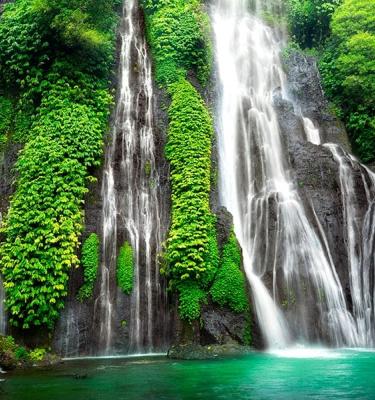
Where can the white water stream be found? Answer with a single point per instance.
(130, 191)
(271, 224)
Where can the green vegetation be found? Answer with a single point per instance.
(191, 246)
(6, 117)
(344, 33)
(38, 354)
(348, 71)
(229, 286)
(55, 59)
(125, 268)
(309, 20)
(247, 336)
(179, 36)
(90, 264)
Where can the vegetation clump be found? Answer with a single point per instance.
(90, 264)
(179, 35)
(13, 355)
(229, 287)
(6, 119)
(125, 268)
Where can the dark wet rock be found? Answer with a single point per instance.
(198, 352)
(80, 376)
(222, 326)
(8, 360)
(305, 87)
(224, 225)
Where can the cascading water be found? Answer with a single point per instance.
(280, 246)
(360, 235)
(131, 198)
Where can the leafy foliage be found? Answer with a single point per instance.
(229, 285)
(38, 354)
(348, 71)
(60, 76)
(6, 117)
(125, 268)
(191, 245)
(45, 219)
(191, 297)
(309, 20)
(34, 33)
(179, 36)
(90, 263)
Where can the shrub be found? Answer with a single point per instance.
(309, 20)
(191, 297)
(347, 68)
(37, 354)
(191, 245)
(179, 36)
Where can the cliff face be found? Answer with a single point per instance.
(78, 331)
(316, 173)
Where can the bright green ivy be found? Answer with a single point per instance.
(6, 119)
(179, 35)
(229, 287)
(55, 58)
(125, 268)
(178, 31)
(90, 264)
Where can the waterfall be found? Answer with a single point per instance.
(360, 235)
(281, 248)
(131, 195)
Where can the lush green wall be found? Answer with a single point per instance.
(55, 62)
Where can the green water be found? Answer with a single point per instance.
(317, 375)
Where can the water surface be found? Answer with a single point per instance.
(294, 374)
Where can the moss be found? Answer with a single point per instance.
(191, 297)
(179, 36)
(90, 264)
(247, 336)
(125, 268)
(6, 119)
(229, 287)
(191, 245)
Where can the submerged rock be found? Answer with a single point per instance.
(199, 352)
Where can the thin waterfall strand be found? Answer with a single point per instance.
(133, 201)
